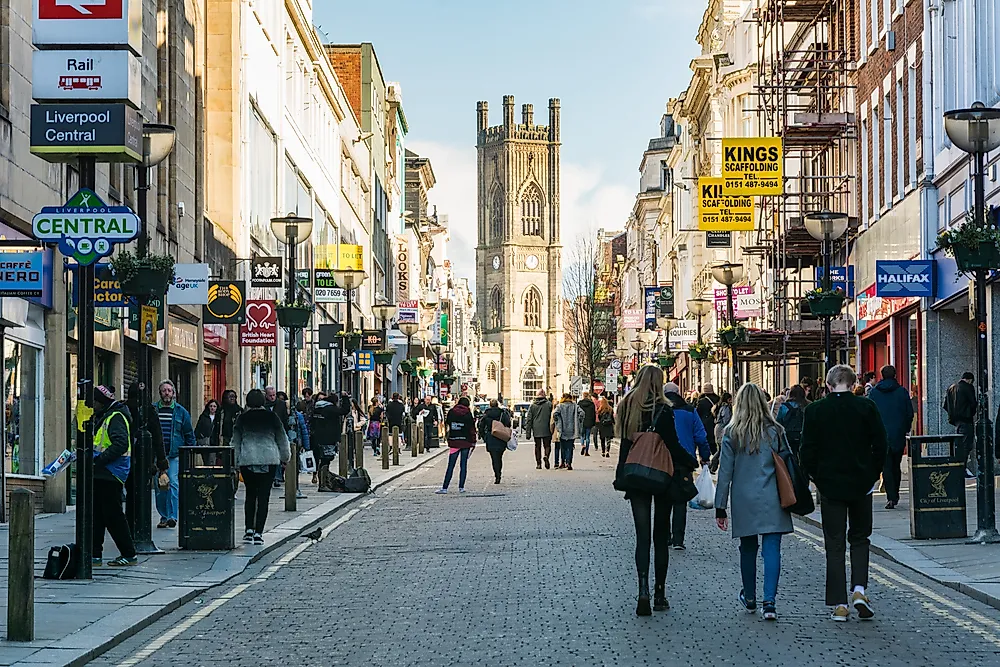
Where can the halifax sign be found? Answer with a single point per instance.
(904, 278)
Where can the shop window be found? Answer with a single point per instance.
(21, 408)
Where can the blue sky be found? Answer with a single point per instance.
(613, 64)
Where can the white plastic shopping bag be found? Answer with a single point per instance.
(512, 443)
(706, 489)
(307, 462)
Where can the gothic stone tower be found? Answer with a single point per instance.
(519, 254)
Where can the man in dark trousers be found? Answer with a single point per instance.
(706, 410)
(395, 414)
(112, 462)
(961, 404)
(896, 410)
(843, 452)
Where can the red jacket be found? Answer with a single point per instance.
(460, 427)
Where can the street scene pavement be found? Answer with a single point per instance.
(538, 570)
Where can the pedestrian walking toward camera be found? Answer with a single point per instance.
(376, 414)
(749, 488)
(961, 404)
(177, 431)
(495, 445)
(461, 429)
(112, 462)
(395, 414)
(229, 410)
(567, 418)
(537, 425)
(843, 451)
(605, 425)
(691, 434)
(645, 408)
(260, 444)
(589, 409)
(896, 410)
(206, 424)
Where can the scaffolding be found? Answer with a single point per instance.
(805, 95)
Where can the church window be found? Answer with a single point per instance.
(531, 214)
(496, 308)
(491, 371)
(496, 218)
(532, 308)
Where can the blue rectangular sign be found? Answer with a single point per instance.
(22, 274)
(364, 360)
(904, 278)
(107, 290)
(841, 278)
(652, 295)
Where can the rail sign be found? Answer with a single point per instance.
(753, 166)
(86, 22)
(85, 228)
(720, 212)
(82, 76)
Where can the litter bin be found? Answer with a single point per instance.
(937, 487)
(207, 505)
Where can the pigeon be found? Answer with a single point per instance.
(314, 535)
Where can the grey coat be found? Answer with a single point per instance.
(749, 479)
(260, 439)
(536, 422)
(568, 420)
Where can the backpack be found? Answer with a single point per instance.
(607, 418)
(792, 421)
(359, 481)
(61, 562)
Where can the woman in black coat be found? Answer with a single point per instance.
(495, 446)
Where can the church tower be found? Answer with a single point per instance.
(519, 254)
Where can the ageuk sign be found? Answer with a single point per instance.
(115, 23)
(81, 76)
(904, 278)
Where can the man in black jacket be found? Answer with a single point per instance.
(112, 462)
(395, 413)
(843, 451)
(706, 410)
(325, 429)
(138, 479)
(961, 404)
(896, 410)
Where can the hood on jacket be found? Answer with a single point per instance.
(540, 399)
(459, 409)
(887, 385)
(322, 403)
(677, 401)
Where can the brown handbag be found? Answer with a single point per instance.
(649, 467)
(786, 490)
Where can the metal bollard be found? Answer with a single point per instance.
(421, 431)
(413, 440)
(359, 450)
(385, 448)
(292, 479)
(21, 563)
(395, 445)
(342, 459)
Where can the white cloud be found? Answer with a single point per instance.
(589, 201)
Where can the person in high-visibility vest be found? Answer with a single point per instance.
(112, 449)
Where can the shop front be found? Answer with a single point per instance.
(216, 338)
(182, 364)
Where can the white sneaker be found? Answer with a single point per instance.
(441, 491)
(248, 536)
(461, 490)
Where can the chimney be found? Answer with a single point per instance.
(528, 114)
(508, 111)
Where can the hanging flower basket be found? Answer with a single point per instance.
(730, 336)
(351, 340)
(383, 357)
(825, 303)
(148, 276)
(425, 372)
(985, 255)
(294, 316)
(666, 360)
(408, 366)
(972, 246)
(699, 351)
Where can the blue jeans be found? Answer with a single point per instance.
(166, 501)
(567, 451)
(586, 439)
(771, 552)
(462, 454)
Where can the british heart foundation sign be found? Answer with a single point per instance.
(261, 326)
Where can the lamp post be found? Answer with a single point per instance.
(292, 230)
(638, 344)
(826, 226)
(666, 324)
(977, 132)
(157, 144)
(648, 336)
(699, 307)
(385, 311)
(729, 274)
(350, 280)
(408, 329)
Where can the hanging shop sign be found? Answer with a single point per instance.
(402, 259)
(190, 286)
(841, 278)
(85, 228)
(443, 328)
(753, 166)
(326, 290)
(265, 272)
(652, 300)
(873, 308)
(352, 257)
(135, 312)
(217, 336)
(107, 289)
(147, 325)
(85, 22)
(21, 274)
(632, 318)
(84, 76)
(364, 360)
(611, 379)
(746, 303)
(720, 212)
(682, 334)
(261, 326)
(718, 239)
(373, 340)
(226, 302)
(111, 132)
(328, 339)
(408, 312)
(904, 278)
(665, 304)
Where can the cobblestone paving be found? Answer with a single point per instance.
(539, 571)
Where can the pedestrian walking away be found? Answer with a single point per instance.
(461, 434)
(374, 432)
(260, 445)
(605, 425)
(175, 426)
(112, 462)
(589, 410)
(843, 451)
(748, 487)
(791, 414)
(691, 434)
(706, 403)
(395, 414)
(326, 430)
(494, 445)
(299, 439)
(896, 410)
(538, 425)
(567, 418)
(961, 404)
(645, 408)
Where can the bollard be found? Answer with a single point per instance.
(21, 563)
(421, 431)
(359, 450)
(413, 440)
(342, 459)
(385, 447)
(395, 445)
(292, 479)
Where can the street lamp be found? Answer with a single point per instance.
(385, 312)
(729, 274)
(826, 226)
(157, 144)
(350, 280)
(292, 230)
(648, 337)
(666, 324)
(408, 329)
(699, 307)
(977, 132)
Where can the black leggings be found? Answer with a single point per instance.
(497, 456)
(642, 513)
(258, 493)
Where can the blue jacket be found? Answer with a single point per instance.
(690, 428)
(302, 431)
(181, 432)
(896, 410)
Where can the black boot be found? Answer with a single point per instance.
(642, 608)
(660, 598)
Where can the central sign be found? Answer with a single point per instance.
(79, 76)
(85, 228)
(110, 131)
(720, 212)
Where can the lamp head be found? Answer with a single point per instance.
(665, 323)
(699, 307)
(291, 228)
(409, 328)
(826, 225)
(157, 143)
(974, 130)
(728, 273)
(384, 311)
(349, 278)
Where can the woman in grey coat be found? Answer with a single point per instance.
(746, 474)
(567, 417)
